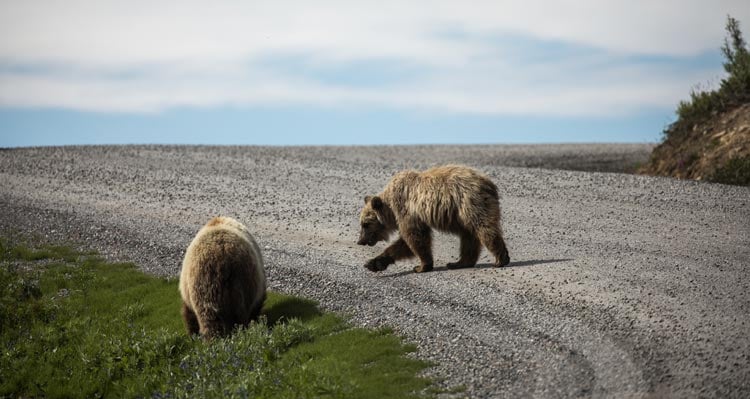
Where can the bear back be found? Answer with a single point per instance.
(223, 280)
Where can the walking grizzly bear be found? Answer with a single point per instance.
(451, 198)
(222, 282)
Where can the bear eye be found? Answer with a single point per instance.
(366, 225)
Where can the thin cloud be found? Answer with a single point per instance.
(148, 56)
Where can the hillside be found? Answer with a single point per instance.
(710, 140)
(717, 149)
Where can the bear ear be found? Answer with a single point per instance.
(367, 198)
(376, 202)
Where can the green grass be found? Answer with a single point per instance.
(22, 252)
(74, 325)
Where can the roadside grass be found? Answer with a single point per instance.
(73, 325)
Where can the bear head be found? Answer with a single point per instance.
(373, 228)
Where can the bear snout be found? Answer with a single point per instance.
(364, 240)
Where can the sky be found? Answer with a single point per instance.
(353, 72)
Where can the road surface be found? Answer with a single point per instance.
(620, 285)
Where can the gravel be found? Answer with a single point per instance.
(620, 285)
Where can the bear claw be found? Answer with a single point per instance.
(422, 268)
(504, 261)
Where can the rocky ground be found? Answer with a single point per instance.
(620, 285)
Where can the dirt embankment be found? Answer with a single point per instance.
(717, 149)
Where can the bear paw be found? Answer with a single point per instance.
(377, 264)
(503, 261)
(423, 268)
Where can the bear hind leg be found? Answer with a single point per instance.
(191, 321)
(214, 324)
(492, 238)
(255, 311)
(470, 248)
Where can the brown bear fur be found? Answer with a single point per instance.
(452, 198)
(222, 282)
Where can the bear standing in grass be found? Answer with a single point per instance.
(452, 198)
(222, 282)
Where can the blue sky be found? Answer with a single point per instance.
(343, 72)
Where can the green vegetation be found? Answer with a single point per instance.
(73, 325)
(734, 90)
(736, 171)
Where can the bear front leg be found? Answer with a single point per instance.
(396, 251)
(418, 236)
(379, 263)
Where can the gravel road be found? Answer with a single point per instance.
(619, 286)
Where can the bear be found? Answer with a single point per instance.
(222, 282)
(451, 198)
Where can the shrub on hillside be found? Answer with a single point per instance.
(736, 171)
(734, 90)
